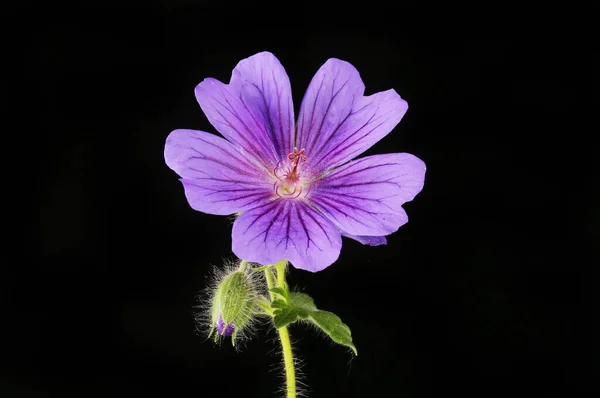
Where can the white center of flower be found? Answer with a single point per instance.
(293, 176)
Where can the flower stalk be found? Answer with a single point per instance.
(288, 360)
(284, 335)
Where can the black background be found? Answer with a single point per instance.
(478, 295)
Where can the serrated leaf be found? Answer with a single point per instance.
(302, 300)
(280, 291)
(334, 327)
(279, 304)
(284, 316)
(303, 304)
(298, 305)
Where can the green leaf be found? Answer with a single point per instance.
(280, 291)
(284, 316)
(298, 306)
(334, 327)
(302, 306)
(279, 304)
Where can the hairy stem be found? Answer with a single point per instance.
(270, 282)
(280, 267)
(284, 336)
(288, 361)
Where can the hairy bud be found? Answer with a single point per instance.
(232, 304)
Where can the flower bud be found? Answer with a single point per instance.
(224, 329)
(232, 304)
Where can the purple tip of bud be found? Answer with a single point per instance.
(224, 330)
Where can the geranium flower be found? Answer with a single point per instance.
(296, 186)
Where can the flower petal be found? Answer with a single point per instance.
(365, 196)
(217, 178)
(336, 122)
(255, 110)
(367, 240)
(286, 229)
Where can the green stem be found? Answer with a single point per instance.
(270, 283)
(280, 267)
(265, 305)
(288, 361)
(284, 336)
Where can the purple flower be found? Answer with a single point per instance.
(224, 329)
(296, 186)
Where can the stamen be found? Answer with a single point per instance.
(293, 175)
(279, 169)
(276, 188)
(299, 192)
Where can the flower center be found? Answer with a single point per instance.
(293, 175)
